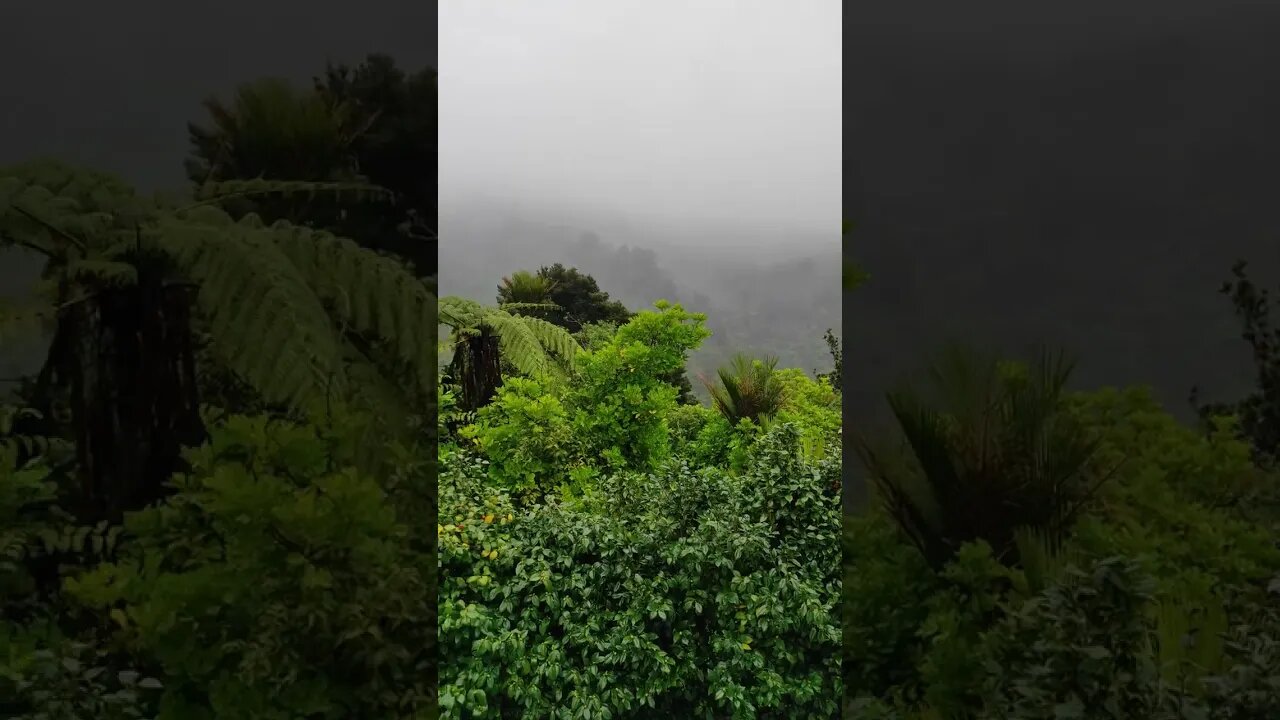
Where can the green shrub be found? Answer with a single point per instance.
(278, 582)
(619, 399)
(1079, 650)
(45, 675)
(886, 587)
(526, 435)
(811, 405)
(1178, 502)
(678, 593)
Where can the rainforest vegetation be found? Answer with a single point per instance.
(217, 490)
(610, 547)
(1019, 550)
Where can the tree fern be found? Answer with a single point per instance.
(531, 345)
(528, 345)
(524, 286)
(289, 309)
(256, 299)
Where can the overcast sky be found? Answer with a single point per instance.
(719, 110)
(111, 85)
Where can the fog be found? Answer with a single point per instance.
(721, 111)
(1078, 174)
(697, 145)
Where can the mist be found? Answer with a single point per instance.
(1081, 175)
(704, 167)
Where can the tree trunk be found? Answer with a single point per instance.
(477, 368)
(131, 367)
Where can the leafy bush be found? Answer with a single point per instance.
(619, 398)
(46, 676)
(811, 405)
(526, 435)
(277, 582)
(685, 423)
(1180, 503)
(678, 593)
(886, 583)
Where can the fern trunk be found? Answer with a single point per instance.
(477, 369)
(130, 363)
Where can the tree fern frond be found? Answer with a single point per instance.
(107, 272)
(513, 306)
(49, 205)
(459, 313)
(385, 403)
(255, 298)
(555, 339)
(518, 343)
(371, 294)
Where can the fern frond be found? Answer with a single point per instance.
(513, 306)
(555, 339)
(369, 293)
(526, 343)
(518, 343)
(105, 272)
(50, 204)
(255, 298)
(459, 313)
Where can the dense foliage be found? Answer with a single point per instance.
(213, 491)
(216, 494)
(608, 552)
(1160, 599)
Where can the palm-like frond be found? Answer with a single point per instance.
(991, 450)
(748, 389)
(523, 286)
(368, 293)
(266, 321)
(270, 129)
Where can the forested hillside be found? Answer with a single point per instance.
(764, 292)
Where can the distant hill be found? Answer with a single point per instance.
(765, 293)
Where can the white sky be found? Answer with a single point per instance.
(701, 110)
